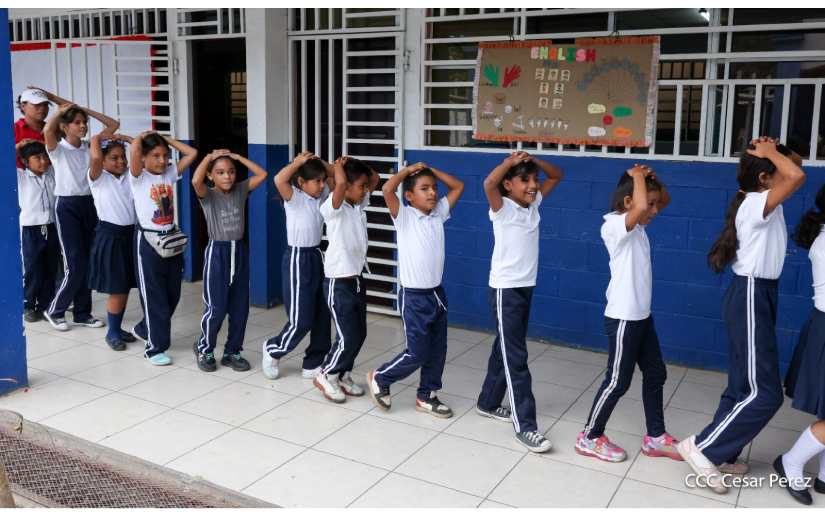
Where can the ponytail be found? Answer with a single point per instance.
(723, 250)
(811, 223)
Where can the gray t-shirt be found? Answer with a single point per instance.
(224, 212)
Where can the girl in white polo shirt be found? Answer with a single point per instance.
(303, 188)
(514, 193)
(112, 269)
(638, 198)
(421, 299)
(754, 240)
(345, 260)
(74, 211)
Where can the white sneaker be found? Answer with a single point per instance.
(309, 374)
(328, 385)
(349, 386)
(701, 465)
(58, 323)
(269, 365)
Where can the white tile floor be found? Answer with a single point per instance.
(282, 442)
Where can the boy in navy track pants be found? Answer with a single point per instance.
(422, 302)
(39, 245)
(226, 267)
(514, 194)
(346, 258)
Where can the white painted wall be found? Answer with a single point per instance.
(266, 76)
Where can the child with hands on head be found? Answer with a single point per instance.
(303, 185)
(421, 298)
(159, 244)
(226, 259)
(112, 269)
(632, 339)
(346, 258)
(75, 214)
(514, 192)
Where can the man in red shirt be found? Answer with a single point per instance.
(34, 104)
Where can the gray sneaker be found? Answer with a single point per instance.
(433, 406)
(534, 441)
(498, 413)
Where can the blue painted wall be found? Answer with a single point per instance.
(13, 344)
(188, 206)
(267, 228)
(568, 303)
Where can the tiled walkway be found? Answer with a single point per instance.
(280, 441)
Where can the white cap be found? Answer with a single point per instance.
(34, 96)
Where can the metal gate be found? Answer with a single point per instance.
(346, 97)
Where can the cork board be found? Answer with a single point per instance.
(598, 91)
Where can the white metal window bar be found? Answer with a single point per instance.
(211, 23)
(96, 23)
(341, 20)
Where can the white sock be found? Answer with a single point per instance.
(794, 460)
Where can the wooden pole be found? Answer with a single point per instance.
(6, 498)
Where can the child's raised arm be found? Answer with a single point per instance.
(282, 179)
(639, 208)
(391, 185)
(455, 186)
(96, 154)
(789, 177)
(340, 190)
(259, 174)
(189, 153)
(136, 154)
(51, 131)
(495, 177)
(553, 173)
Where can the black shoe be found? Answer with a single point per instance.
(819, 486)
(32, 316)
(127, 337)
(236, 362)
(139, 331)
(802, 495)
(206, 361)
(90, 322)
(115, 343)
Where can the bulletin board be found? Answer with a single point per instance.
(598, 91)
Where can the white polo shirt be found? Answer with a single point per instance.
(304, 222)
(71, 164)
(421, 245)
(347, 234)
(113, 198)
(763, 241)
(515, 259)
(154, 197)
(631, 278)
(35, 194)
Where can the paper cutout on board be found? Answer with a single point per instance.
(598, 91)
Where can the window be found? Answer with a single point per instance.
(720, 83)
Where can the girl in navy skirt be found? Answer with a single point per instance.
(754, 240)
(226, 261)
(111, 266)
(74, 210)
(805, 380)
(159, 244)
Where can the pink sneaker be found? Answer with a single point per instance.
(600, 448)
(662, 446)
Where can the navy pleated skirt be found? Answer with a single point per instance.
(112, 265)
(805, 379)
